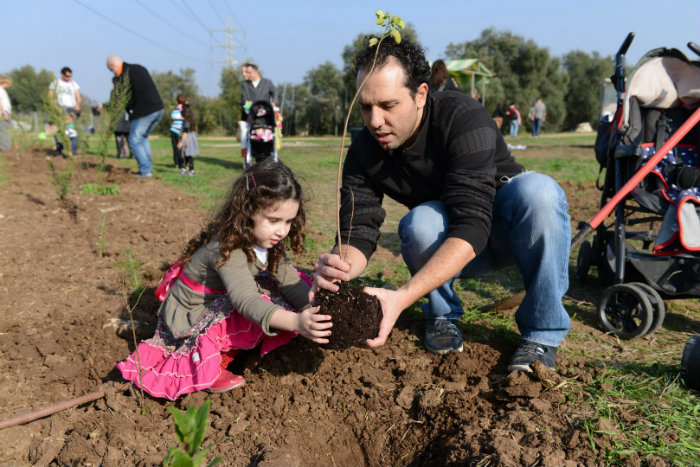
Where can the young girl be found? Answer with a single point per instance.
(236, 289)
(188, 143)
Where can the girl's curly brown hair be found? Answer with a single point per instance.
(259, 187)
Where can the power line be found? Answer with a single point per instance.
(231, 12)
(179, 29)
(216, 11)
(197, 18)
(137, 34)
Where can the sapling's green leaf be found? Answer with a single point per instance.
(169, 458)
(379, 13)
(182, 459)
(380, 21)
(215, 461)
(201, 425)
(387, 15)
(373, 41)
(401, 24)
(180, 422)
(198, 458)
(396, 35)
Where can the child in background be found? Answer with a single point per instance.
(188, 143)
(176, 127)
(233, 288)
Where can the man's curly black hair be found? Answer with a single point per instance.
(411, 56)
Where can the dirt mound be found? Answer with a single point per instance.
(64, 308)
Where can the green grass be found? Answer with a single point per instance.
(651, 412)
(638, 376)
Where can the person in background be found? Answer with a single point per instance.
(188, 143)
(440, 79)
(514, 119)
(233, 288)
(538, 113)
(5, 114)
(253, 88)
(176, 126)
(145, 109)
(498, 115)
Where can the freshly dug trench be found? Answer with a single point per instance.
(355, 315)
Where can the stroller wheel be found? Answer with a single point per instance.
(657, 304)
(690, 363)
(583, 261)
(625, 310)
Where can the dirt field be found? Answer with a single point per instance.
(302, 405)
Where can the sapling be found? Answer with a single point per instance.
(112, 112)
(391, 25)
(101, 235)
(189, 429)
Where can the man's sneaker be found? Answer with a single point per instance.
(183, 171)
(226, 381)
(191, 173)
(442, 336)
(528, 352)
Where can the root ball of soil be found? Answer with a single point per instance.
(355, 315)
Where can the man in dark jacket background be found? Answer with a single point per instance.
(473, 208)
(145, 109)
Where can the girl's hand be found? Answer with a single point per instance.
(179, 145)
(313, 326)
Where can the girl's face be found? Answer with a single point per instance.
(272, 224)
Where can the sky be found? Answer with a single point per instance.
(288, 38)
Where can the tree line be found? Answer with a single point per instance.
(571, 86)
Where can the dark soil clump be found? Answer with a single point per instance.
(355, 315)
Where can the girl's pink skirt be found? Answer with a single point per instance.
(173, 365)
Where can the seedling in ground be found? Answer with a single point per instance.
(189, 429)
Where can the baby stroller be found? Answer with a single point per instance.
(649, 150)
(262, 139)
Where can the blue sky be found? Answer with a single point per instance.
(288, 38)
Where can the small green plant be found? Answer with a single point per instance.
(131, 270)
(101, 235)
(61, 181)
(112, 112)
(391, 25)
(56, 116)
(189, 429)
(96, 188)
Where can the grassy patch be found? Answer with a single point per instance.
(649, 412)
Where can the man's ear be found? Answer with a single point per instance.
(421, 95)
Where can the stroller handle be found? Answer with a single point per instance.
(694, 47)
(626, 44)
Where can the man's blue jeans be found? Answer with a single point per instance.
(536, 125)
(138, 140)
(530, 229)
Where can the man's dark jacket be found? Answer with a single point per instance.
(459, 157)
(144, 98)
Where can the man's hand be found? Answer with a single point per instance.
(329, 270)
(313, 326)
(391, 302)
